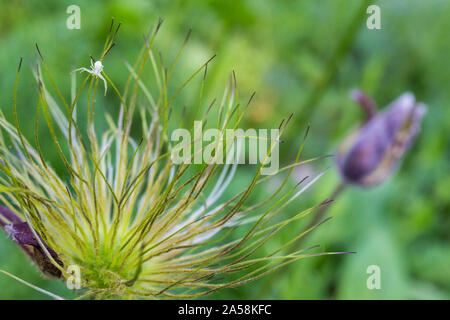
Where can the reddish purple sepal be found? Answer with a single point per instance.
(21, 233)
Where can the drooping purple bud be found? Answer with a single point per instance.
(21, 233)
(370, 154)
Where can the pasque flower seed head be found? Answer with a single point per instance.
(135, 223)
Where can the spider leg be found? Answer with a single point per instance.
(82, 69)
(104, 81)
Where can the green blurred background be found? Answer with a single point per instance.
(302, 57)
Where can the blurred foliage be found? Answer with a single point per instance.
(281, 49)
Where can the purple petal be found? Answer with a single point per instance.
(22, 234)
(9, 215)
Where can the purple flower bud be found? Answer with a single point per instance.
(370, 154)
(21, 233)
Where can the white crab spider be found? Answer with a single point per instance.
(96, 71)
